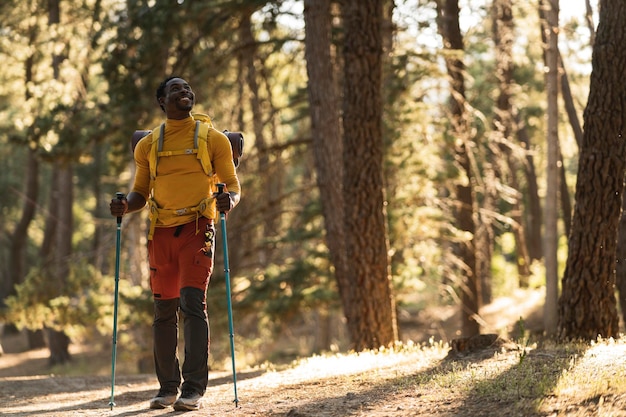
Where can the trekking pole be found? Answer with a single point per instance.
(220, 190)
(120, 196)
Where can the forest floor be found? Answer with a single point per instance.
(505, 377)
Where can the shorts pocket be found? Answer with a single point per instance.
(204, 258)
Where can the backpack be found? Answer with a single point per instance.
(200, 149)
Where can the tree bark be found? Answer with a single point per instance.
(533, 217)
(589, 20)
(327, 137)
(270, 182)
(58, 341)
(60, 219)
(448, 24)
(570, 109)
(587, 307)
(371, 316)
(505, 125)
(20, 233)
(552, 191)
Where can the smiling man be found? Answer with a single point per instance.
(192, 157)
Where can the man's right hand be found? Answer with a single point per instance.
(118, 207)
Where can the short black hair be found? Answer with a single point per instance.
(160, 91)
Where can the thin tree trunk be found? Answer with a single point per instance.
(58, 341)
(61, 238)
(590, 24)
(484, 236)
(533, 214)
(448, 23)
(551, 238)
(505, 126)
(327, 139)
(20, 234)
(570, 108)
(564, 196)
(20, 238)
(272, 197)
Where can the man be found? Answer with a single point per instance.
(183, 205)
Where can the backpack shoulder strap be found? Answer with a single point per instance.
(155, 149)
(201, 142)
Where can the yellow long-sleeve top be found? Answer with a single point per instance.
(180, 181)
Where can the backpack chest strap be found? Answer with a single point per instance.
(179, 152)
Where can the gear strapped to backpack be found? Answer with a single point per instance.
(200, 149)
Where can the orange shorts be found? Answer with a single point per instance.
(180, 257)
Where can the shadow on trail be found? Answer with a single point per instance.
(514, 391)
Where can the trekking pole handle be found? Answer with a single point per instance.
(220, 187)
(120, 197)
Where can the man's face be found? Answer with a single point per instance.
(179, 98)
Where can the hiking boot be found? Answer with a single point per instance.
(163, 399)
(188, 401)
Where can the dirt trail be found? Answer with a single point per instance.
(332, 387)
(345, 385)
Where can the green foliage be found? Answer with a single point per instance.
(298, 283)
(84, 308)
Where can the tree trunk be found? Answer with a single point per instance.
(20, 237)
(587, 307)
(589, 20)
(270, 181)
(564, 196)
(448, 24)
(505, 125)
(533, 217)
(370, 311)
(327, 138)
(54, 257)
(57, 245)
(58, 344)
(552, 171)
(60, 261)
(20, 234)
(570, 109)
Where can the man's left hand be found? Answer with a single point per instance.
(223, 202)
